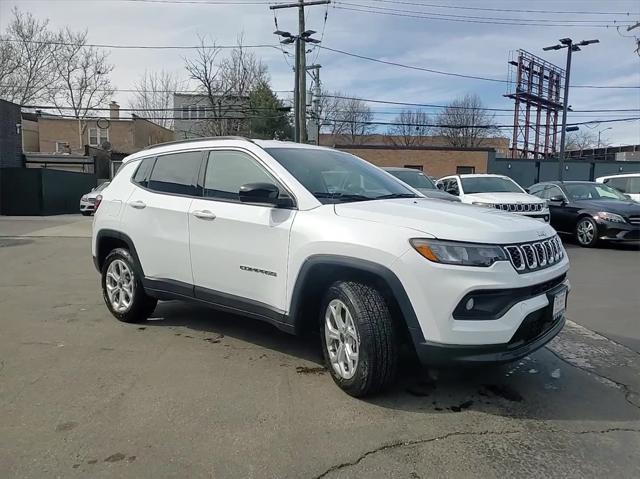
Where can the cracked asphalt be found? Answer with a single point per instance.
(197, 393)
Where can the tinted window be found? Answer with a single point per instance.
(536, 190)
(177, 173)
(592, 191)
(634, 185)
(227, 171)
(414, 178)
(451, 187)
(333, 176)
(489, 184)
(142, 173)
(619, 184)
(552, 191)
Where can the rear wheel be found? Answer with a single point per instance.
(587, 232)
(359, 338)
(122, 288)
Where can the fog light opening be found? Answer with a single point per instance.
(469, 304)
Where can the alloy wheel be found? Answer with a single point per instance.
(342, 340)
(120, 285)
(586, 232)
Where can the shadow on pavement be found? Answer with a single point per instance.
(539, 387)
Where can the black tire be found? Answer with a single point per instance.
(586, 222)
(85, 213)
(142, 306)
(378, 353)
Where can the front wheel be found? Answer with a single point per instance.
(359, 338)
(587, 232)
(85, 213)
(122, 288)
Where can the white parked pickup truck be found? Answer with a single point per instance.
(254, 228)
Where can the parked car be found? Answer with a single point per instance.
(252, 228)
(590, 211)
(629, 184)
(495, 191)
(88, 201)
(421, 182)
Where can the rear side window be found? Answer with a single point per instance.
(142, 173)
(227, 171)
(177, 173)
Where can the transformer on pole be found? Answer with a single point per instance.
(537, 87)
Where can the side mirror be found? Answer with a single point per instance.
(557, 199)
(263, 194)
(440, 186)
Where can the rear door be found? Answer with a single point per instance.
(156, 218)
(239, 251)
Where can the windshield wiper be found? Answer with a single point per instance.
(396, 195)
(341, 196)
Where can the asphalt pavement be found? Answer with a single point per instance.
(197, 393)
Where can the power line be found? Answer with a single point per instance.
(133, 47)
(489, 22)
(475, 17)
(486, 9)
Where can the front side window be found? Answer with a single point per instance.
(176, 173)
(633, 186)
(489, 184)
(227, 171)
(334, 176)
(592, 191)
(619, 184)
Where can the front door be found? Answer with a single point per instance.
(239, 251)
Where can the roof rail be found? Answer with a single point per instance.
(192, 140)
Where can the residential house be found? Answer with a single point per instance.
(196, 117)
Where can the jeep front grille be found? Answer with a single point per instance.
(519, 207)
(536, 255)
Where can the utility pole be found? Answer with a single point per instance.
(316, 98)
(571, 47)
(300, 85)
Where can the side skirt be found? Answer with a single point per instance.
(165, 289)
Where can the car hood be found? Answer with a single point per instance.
(437, 194)
(620, 207)
(448, 220)
(504, 198)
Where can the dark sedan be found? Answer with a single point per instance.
(590, 211)
(419, 181)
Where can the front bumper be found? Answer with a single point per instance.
(619, 232)
(537, 329)
(87, 206)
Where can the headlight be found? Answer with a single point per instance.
(603, 215)
(463, 254)
(486, 205)
(84, 198)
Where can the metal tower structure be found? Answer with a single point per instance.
(537, 87)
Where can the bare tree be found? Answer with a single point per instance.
(346, 117)
(27, 59)
(82, 71)
(411, 128)
(465, 123)
(153, 97)
(226, 84)
(581, 140)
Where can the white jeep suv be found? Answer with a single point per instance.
(258, 228)
(495, 191)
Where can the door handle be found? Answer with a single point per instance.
(204, 215)
(138, 204)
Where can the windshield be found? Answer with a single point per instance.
(334, 176)
(592, 191)
(415, 178)
(102, 186)
(489, 184)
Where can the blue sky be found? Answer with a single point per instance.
(471, 48)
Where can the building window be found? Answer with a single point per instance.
(185, 113)
(202, 111)
(62, 147)
(98, 136)
(465, 170)
(415, 167)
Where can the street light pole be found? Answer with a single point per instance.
(571, 47)
(600, 131)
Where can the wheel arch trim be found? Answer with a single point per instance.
(119, 235)
(380, 271)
